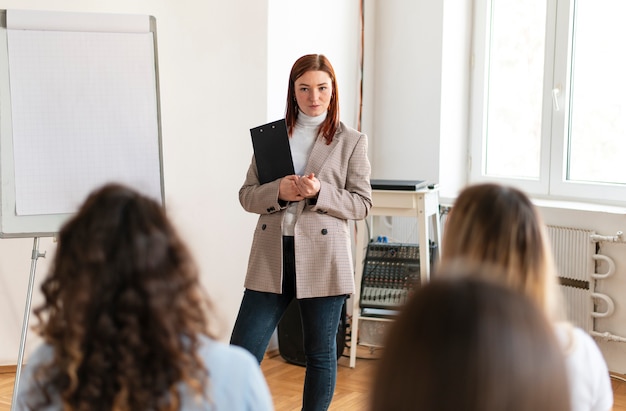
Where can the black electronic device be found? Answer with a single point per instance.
(398, 185)
(290, 341)
(390, 274)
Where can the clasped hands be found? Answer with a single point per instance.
(296, 188)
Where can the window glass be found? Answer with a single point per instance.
(597, 138)
(514, 101)
(548, 113)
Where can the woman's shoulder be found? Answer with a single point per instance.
(590, 384)
(220, 352)
(574, 339)
(42, 353)
(349, 131)
(229, 362)
(236, 380)
(581, 350)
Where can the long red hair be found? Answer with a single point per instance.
(313, 62)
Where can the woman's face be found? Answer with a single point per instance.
(313, 92)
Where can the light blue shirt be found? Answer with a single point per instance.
(235, 383)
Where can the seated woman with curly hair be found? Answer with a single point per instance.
(124, 320)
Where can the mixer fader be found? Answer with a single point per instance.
(390, 274)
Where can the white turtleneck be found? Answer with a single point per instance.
(301, 142)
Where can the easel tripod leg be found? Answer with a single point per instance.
(29, 297)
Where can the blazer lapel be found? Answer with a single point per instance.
(320, 153)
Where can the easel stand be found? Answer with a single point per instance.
(29, 296)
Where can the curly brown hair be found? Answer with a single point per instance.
(123, 309)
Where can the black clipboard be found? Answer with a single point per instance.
(272, 151)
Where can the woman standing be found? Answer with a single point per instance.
(302, 247)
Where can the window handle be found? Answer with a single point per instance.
(556, 92)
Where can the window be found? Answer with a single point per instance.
(549, 97)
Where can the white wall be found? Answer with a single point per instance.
(418, 89)
(406, 85)
(330, 28)
(454, 110)
(214, 64)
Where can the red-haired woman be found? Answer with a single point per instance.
(301, 247)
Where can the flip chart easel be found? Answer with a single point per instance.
(79, 107)
(29, 297)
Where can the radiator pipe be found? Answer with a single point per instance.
(617, 238)
(610, 305)
(606, 336)
(609, 261)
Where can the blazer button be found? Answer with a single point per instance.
(324, 231)
(264, 226)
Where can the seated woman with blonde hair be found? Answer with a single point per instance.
(498, 225)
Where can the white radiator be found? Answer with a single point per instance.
(575, 254)
(574, 257)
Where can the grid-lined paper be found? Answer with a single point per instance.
(84, 112)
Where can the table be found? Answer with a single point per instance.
(421, 204)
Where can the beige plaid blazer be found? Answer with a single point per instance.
(322, 239)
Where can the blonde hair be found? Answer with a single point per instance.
(498, 225)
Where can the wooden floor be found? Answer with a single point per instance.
(285, 382)
(351, 392)
(7, 378)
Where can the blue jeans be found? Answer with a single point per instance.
(260, 313)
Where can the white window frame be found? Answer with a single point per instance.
(552, 182)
